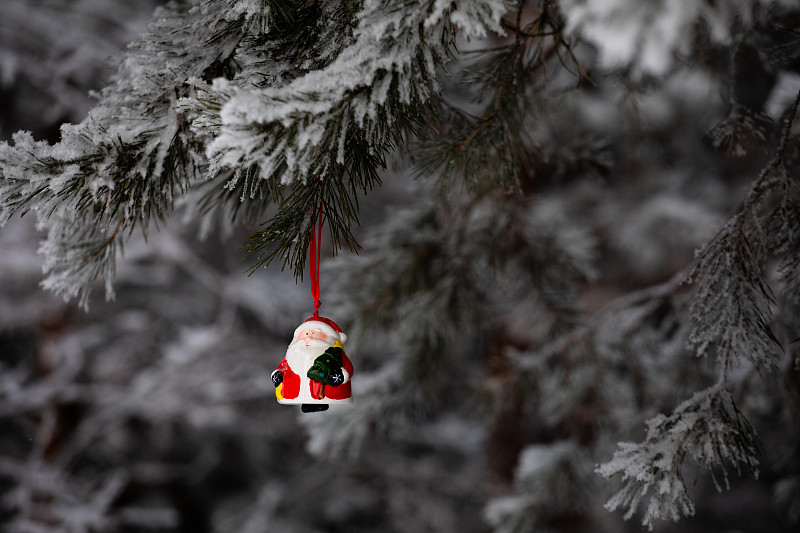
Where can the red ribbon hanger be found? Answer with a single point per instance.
(315, 250)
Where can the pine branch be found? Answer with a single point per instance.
(127, 160)
(730, 267)
(708, 428)
(337, 123)
(731, 311)
(494, 145)
(263, 120)
(731, 314)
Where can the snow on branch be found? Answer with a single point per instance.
(119, 168)
(370, 85)
(325, 129)
(647, 34)
(336, 116)
(731, 314)
(708, 428)
(732, 308)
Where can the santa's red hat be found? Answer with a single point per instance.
(325, 325)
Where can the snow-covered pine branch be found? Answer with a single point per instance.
(708, 428)
(333, 119)
(490, 140)
(731, 314)
(325, 128)
(121, 167)
(732, 308)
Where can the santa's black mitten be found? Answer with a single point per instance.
(277, 377)
(336, 378)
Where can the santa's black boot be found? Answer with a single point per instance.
(313, 407)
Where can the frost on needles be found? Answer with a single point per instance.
(731, 312)
(708, 428)
(228, 105)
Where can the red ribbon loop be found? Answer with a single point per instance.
(315, 250)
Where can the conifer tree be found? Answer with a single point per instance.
(540, 284)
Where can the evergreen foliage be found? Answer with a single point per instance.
(536, 282)
(708, 428)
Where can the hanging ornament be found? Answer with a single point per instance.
(315, 371)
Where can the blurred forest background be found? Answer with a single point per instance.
(155, 412)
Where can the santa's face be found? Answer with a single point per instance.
(312, 337)
(306, 346)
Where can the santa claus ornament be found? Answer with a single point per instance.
(315, 372)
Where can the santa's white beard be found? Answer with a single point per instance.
(300, 357)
